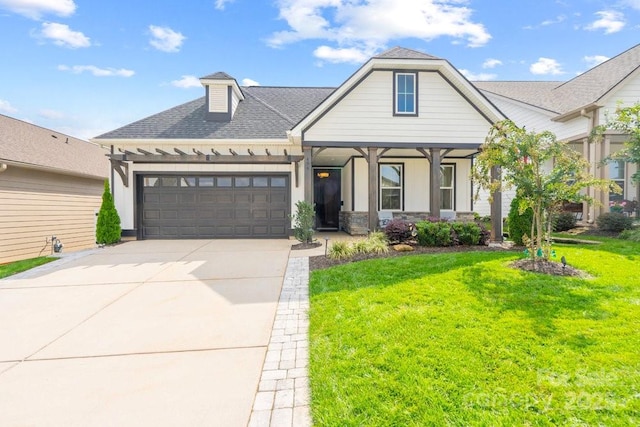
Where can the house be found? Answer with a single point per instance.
(571, 110)
(234, 162)
(50, 185)
(398, 138)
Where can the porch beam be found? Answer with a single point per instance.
(318, 151)
(373, 188)
(207, 158)
(361, 151)
(122, 169)
(308, 174)
(434, 179)
(382, 153)
(424, 153)
(496, 208)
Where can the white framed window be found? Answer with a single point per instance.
(406, 98)
(447, 187)
(390, 185)
(616, 174)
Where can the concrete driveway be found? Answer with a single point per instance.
(143, 333)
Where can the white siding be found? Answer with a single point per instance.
(361, 185)
(366, 115)
(234, 102)
(626, 96)
(347, 182)
(218, 102)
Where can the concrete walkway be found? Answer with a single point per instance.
(151, 333)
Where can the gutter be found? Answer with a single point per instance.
(578, 112)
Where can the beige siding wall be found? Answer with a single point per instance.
(366, 115)
(36, 205)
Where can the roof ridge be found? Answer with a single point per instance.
(270, 107)
(48, 129)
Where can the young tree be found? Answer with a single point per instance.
(108, 228)
(544, 171)
(303, 221)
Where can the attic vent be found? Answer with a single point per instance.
(218, 99)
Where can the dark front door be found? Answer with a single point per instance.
(327, 198)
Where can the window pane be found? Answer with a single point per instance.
(390, 176)
(169, 181)
(224, 181)
(446, 176)
(188, 181)
(243, 181)
(278, 182)
(151, 182)
(206, 181)
(261, 181)
(613, 197)
(405, 93)
(616, 170)
(390, 198)
(446, 199)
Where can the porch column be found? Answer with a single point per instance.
(496, 208)
(434, 178)
(585, 206)
(308, 175)
(373, 188)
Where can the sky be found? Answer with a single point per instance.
(85, 67)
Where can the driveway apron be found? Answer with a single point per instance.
(143, 333)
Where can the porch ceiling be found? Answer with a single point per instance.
(340, 156)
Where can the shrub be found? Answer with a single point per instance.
(399, 230)
(467, 233)
(108, 230)
(519, 224)
(632, 235)
(341, 250)
(303, 222)
(434, 233)
(564, 221)
(614, 221)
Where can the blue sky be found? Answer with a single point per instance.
(84, 67)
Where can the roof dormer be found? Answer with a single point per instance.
(222, 96)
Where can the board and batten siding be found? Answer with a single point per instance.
(366, 115)
(36, 205)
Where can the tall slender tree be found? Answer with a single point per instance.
(108, 229)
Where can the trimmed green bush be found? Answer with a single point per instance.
(519, 224)
(398, 230)
(614, 221)
(434, 233)
(108, 230)
(632, 235)
(467, 233)
(564, 221)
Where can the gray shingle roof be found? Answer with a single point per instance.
(220, 75)
(32, 145)
(404, 53)
(581, 91)
(265, 113)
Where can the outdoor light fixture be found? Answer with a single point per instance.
(563, 260)
(326, 246)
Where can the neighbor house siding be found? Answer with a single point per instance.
(366, 115)
(36, 205)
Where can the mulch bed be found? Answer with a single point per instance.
(548, 267)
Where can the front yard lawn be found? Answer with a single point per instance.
(462, 339)
(24, 265)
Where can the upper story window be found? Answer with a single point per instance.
(406, 94)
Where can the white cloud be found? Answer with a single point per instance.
(6, 107)
(96, 71)
(249, 82)
(220, 4)
(51, 114)
(187, 82)
(546, 66)
(477, 77)
(62, 35)
(491, 63)
(165, 39)
(632, 3)
(369, 26)
(610, 21)
(594, 60)
(34, 9)
(352, 55)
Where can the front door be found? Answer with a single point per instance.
(327, 198)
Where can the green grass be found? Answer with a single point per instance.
(461, 339)
(24, 265)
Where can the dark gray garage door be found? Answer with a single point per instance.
(214, 206)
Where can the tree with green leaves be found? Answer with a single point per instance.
(545, 173)
(303, 221)
(108, 229)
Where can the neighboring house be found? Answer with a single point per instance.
(50, 185)
(571, 110)
(398, 136)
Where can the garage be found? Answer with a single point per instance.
(213, 206)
